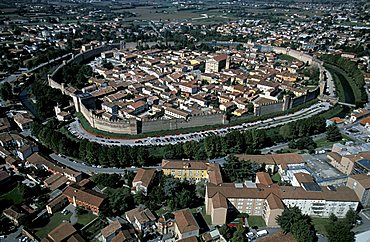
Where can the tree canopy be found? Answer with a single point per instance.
(333, 133)
(293, 221)
(240, 170)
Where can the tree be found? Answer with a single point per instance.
(5, 225)
(290, 216)
(227, 232)
(237, 170)
(340, 231)
(120, 200)
(333, 218)
(352, 217)
(108, 180)
(333, 133)
(6, 92)
(239, 235)
(303, 232)
(292, 220)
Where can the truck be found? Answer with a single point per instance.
(262, 233)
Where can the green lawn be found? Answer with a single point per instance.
(276, 177)
(324, 143)
(320, 224)
(256, 221)
(93, 229)
(85, 218)
(55, 220)
(15, 195)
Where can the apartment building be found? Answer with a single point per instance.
(268, 200)
(86, 199)
(350, 164)
(192, 170)
(360, 183)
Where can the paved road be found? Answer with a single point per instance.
(82, 167)
(76, 129)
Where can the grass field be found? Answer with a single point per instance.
(85, 218)
(256, 221)
(55, 220)
(320, 224)
(15, 195)
(324, 143)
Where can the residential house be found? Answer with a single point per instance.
(15, 215)
(24, 122)
(110, 231)
(141, 218)
(185, 224)
(142, 180)
(56, 204)
(63, 232)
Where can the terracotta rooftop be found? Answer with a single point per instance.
(303, 177)
(144, 176)
(264, 178)
(84, 196)
(189, 239)
(219, 201)
(62, 232)
(123, 235)
(184, 164)
(229, 190)
(220, 57)
(185, 221)
(279, 237)
(274, 202)
(214, 174)
(111, 229)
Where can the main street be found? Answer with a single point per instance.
(77, 130)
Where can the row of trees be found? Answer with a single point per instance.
(47, 98)
(213, 146)
(75, 74)
(351, 69)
